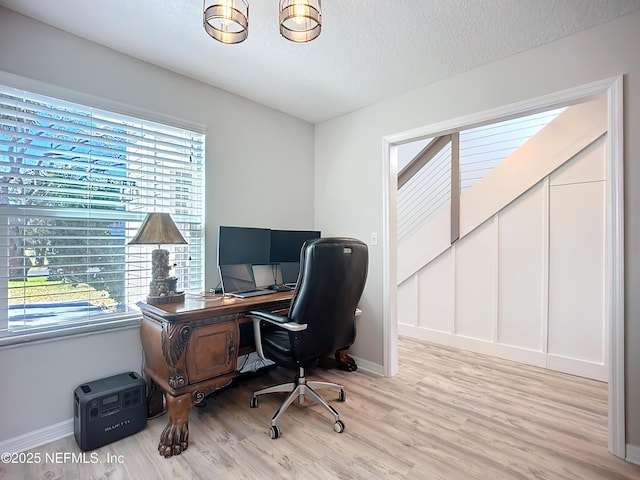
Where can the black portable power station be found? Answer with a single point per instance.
(109, 409)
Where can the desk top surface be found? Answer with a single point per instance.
(205, 305)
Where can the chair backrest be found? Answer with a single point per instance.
(333, 273)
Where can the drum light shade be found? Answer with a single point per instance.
(228, 20)
(300, 20)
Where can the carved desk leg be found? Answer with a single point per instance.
(345, 362)
(175, 436)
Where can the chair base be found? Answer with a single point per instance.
(298, 390)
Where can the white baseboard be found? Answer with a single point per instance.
(39, 437)
(581, 368)
(368, 366)
(486, 347)
(508, 352)
(633, 454)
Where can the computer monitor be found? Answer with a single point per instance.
(289, 272)
(243, 245)
(286, 244)
(285, 250)
(263, 246)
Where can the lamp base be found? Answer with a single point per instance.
(163, 299)
(163, 286)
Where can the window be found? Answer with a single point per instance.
(75, 184)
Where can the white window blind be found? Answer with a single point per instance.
(75, 184)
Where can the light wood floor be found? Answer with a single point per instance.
(447, 415)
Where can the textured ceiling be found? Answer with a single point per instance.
(368, 50)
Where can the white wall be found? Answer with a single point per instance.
(246, 163)
(349, 172)
(38, 379)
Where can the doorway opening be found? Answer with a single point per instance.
(614, 239)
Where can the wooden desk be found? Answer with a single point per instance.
(191, 350)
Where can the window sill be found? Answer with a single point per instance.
(14, 340)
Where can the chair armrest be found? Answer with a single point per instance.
(259, 316)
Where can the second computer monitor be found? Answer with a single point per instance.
(286, 244)
(285, 250)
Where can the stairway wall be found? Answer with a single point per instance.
(526, 279)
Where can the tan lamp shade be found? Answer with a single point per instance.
(158, 229)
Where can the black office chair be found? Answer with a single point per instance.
(321, 320)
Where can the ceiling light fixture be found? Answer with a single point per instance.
(300, 20)
(228, 20)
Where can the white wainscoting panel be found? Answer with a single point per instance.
(408, 301)
(521, 271)
(587, 166)
(436, 294)
(475, 283)
(414, 252)
(576, 272)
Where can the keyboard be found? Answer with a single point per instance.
(251, 293)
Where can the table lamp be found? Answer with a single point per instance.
(159, 229)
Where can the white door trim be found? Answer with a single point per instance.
(614, 281)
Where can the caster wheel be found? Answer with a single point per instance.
(254, 402)
(342, 396)
(274, 432)
(338, 426)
